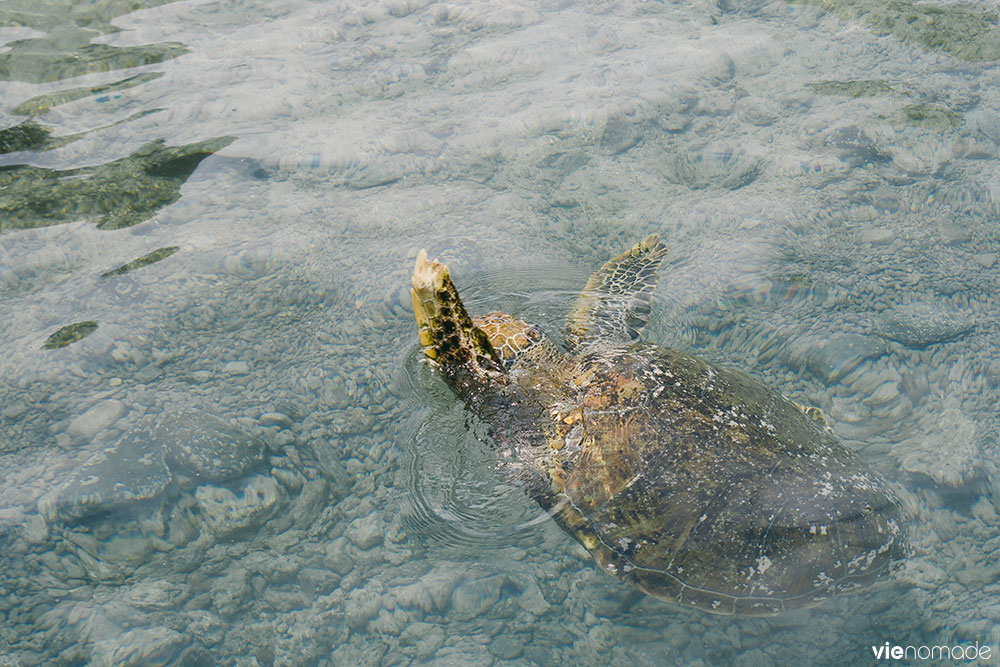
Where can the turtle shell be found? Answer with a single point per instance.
(704, 487)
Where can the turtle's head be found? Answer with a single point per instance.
(511, 338)
(448, 335)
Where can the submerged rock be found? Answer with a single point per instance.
(145, 461)
(231, 593)
(474, 597)
(620, 134)
(832, 358)
(852, 89)
(366, 532)
(506, 647)
(226, 511)
(946, 450)
(425, 638)
(145, 260)
(118, 194)
(68, 334)
(27, 136)
(157, 594)
(206, 447)
(964, 31)
(129, 472)
(96, 419)
(928, 116)
(142, 646)
(921, 324)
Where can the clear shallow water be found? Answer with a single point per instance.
(827, 181)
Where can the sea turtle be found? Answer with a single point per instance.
(696, 483)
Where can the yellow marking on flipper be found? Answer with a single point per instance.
(427, 278)
(447, 333)
(423, 326)
(588, 541)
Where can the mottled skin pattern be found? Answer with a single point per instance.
(696, 483)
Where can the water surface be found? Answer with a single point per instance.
(219, 446)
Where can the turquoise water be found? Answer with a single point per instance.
(218, 445)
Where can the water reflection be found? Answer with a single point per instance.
(67, 49)
(26, 136)
(40, 104)
(145, 260)
(118, 194)
(70, 334)
(965, 31)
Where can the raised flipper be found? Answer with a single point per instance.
(447, 333)
(614, 306)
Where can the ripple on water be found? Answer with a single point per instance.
(720, 165)
(459, 495)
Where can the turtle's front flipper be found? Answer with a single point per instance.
(614, 306)
(447, 333)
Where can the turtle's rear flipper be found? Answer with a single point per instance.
(816, 415)
(614, 306)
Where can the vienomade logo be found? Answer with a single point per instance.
(969, 652)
